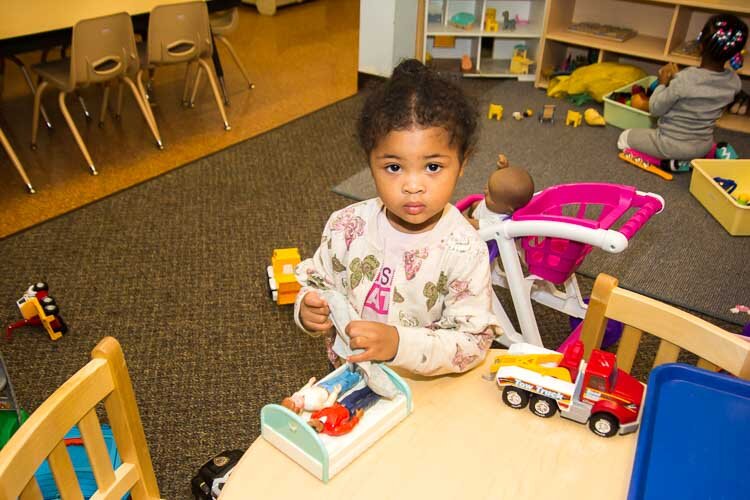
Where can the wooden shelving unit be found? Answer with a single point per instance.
(662, 25)
(489, 51)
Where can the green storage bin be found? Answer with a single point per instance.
(623, 116)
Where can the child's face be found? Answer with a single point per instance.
(415, 172)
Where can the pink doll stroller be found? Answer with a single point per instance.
(556, 230)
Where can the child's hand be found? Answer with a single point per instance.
(313, 313)
(667, 72)
(380, 341)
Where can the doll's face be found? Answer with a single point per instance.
(415, 173)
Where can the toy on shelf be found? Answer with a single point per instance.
(548, 114)
(463, 20)
(466, 64)
(521, 22)
(508, 23)
(495, 111)
(553, 245)
(282, 283)
(593, 118)
(573, 118)
(519, 63)
(596, 391)
(490, 20)
(39, 308)
(605, 31)
(644, 162)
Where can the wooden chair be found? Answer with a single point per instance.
(715, 347)
(102, 50)
(105, 378)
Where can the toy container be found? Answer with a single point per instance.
(693, 437)
(624, 116)
(735, 218)
(322, 455)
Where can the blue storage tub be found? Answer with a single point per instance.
(693, 441)
(81, 466)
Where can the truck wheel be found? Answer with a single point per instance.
(515, 398)
(604, 425)
(51, 309)
(542, 406)
(46, 301)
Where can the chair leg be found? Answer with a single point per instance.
(118, 111)
(217, 93)
(228, 45)
(186, 86)
(196, 84)
(145, 111)
(16, 163)
(74, 130)
(144, 95)
(105, 103)
(35, 112)
(83, 106)
(32, 87)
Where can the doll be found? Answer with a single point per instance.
(508, 188)
(311, 397)
(341, 418)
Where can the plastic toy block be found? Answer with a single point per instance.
(573, 118)
(495, 111)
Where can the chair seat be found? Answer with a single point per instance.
(221, 22)
(57, 73)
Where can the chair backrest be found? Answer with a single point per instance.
(178, 32)
(102, 48)
(105, 378)
(225, 22)
(676, 329)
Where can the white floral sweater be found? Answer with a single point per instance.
(441, 294)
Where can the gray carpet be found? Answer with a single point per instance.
(175, 269)
(683, 256)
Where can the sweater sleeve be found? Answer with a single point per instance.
(664, 97)
(315, 273)
(460, 339)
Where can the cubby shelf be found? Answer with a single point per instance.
(662, 25)
(490, 51)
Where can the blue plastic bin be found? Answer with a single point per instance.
(693, 441)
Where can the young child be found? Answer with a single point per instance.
(689, 102)
(508, 189)
(412, 268)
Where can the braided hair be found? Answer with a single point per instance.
(416, 96)
(723, 37)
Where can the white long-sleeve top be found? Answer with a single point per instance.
(440, 301)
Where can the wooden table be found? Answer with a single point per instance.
(461, 441)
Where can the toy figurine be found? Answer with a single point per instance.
(508, 189)
(341, 418)
(311, 397)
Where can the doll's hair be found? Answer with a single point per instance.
(416, 96)
(723, 36)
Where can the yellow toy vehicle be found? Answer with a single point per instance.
(282, 283)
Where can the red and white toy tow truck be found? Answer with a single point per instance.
(596, 392)
(39, 308)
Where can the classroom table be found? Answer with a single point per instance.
(29, 25)
(460, 441)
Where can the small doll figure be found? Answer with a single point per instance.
(311, 398)
(508, 188)
(341, 418)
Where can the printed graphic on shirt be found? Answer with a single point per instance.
(380, 292)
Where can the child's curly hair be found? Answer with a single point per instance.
(416, 96)
(723, 36)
